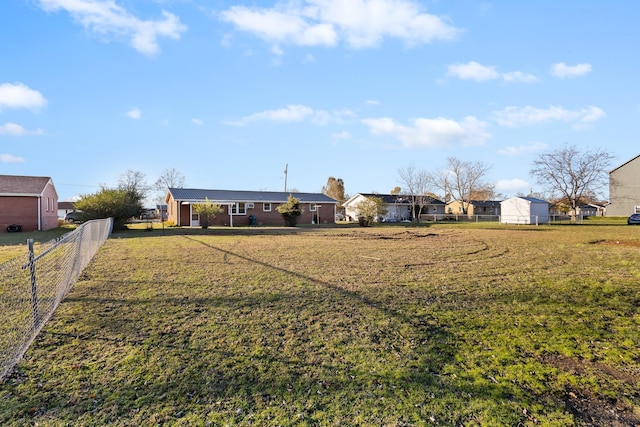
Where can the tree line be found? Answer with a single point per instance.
(567, 175)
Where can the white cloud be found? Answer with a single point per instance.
(290, 113)
(277, 50)
(359, 23)
(13, 129)
(106, 18)
(372, 102)
(197, 122)
(524, 116)
(9, 158)
(438, 132)
(18, 95)
(134, 113)
(564, 71)
(341, 135)
(280, 26)
(519, 77)
(295, 113)
(473, 70)
(511, 186)
(308, 59)
(514, 151)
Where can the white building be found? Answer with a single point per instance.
(524, 210)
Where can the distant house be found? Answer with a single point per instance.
(624, 189)
(591, 209)
(524, 210)
(64, 208)
(28, 201)
(242, 208)
(161, 212)
(474, 207)
(398, 207)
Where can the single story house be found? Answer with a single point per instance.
(64, 208)
(624, 189)
(591, 209)
(398, 207)
(242, 208)
(28, 201)
(524, 210)
(474, 207)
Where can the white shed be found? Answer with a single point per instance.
(524, 210)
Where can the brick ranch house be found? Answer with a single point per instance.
(240, 207)
(29, 201)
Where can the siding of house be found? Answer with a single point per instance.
(182, 212)
(624, 189)
(475, 207)
(49, 208)
(19, 210)
(398, 207)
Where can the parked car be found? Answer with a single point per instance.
(75, 216)
(634, 219)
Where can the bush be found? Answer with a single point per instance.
(290, 211)
(207, 212)
(120, 204)
(369, 209)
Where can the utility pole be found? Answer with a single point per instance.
(286, 171)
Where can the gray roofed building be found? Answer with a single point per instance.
(247, 207)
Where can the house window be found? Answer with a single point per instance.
(266, 207)
(312, 207)
(239, 209)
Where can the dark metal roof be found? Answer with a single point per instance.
(215, 196)
(66, 205)
(392, 199)
(485, 202)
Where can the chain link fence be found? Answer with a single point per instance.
(33, 285)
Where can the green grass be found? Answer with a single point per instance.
(15, 244)
(386, 326)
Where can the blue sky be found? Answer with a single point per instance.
(228, 93)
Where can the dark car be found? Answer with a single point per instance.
(634, 219)
(75, 216)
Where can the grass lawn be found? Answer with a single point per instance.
(15, 244)
(385, 326)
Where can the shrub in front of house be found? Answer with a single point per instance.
(290, 211)
(207, 212)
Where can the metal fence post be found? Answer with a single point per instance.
(34, 289)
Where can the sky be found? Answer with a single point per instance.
(230, 93)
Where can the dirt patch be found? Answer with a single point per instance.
(407, 235)
(585, 405)
(632, 243)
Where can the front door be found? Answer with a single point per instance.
(195, 219)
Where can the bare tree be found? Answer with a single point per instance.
(416, 184)
(572, 175)
(134, 181)
(461, 180)
(170, 178)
